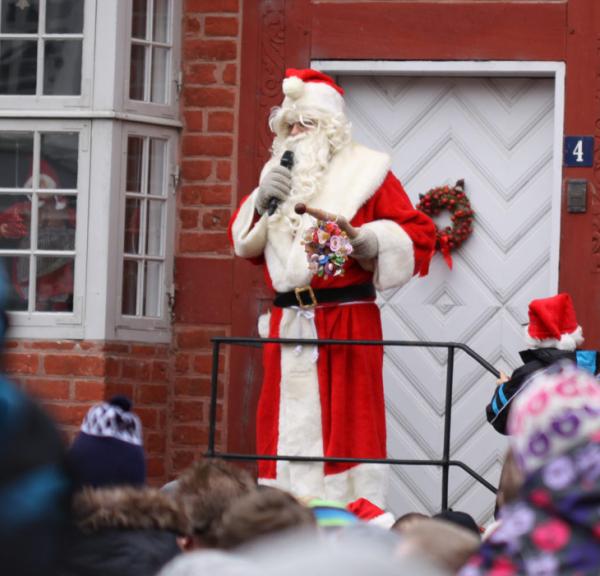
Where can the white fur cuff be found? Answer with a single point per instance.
(249, 238)
(395, 259)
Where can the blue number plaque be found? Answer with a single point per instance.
(579, 151)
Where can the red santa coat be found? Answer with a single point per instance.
(331, 404)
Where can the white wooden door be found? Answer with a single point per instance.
(497, 134)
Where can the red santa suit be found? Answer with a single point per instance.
(330, 401)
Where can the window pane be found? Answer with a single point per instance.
(17, 269)
(154, 227)
(59, 153)
(62, 67)
(137, 72)
(130, 282)
(138, 20)
(64, 16)
(156, 168)
(152, 289)
(135, 149)
(133, 210)
(18, 66)
(161, 20)
(15, 222)
(159, 74)
(19, 17)
(54, 284)
(56, 222)
(16, 157)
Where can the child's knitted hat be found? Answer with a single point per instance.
(559, 408)
(108, 449)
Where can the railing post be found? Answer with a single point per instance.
(214, 390)
(447, 424)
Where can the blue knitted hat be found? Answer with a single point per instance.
(108, 450)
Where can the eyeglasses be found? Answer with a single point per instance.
(306, 123)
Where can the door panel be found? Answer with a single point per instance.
(497, 134)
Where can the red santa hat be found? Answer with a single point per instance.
(552, 324)
(311, 92)
(48, 177)
(369, 512)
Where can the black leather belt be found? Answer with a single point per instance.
(307, 297)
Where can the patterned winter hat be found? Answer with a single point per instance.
(552, 323)
(108, 449)
(311, 92)
(559, 408)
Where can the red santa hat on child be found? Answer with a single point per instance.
(369, 512)
(552, 324)
(311, 92)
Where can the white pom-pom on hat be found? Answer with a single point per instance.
(293, 87)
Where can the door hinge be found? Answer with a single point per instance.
(175, 178)
(171, 303)
(178, 83)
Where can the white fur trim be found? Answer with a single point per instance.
(311, 98)
(396, 259)
(361, 481)
(567, 342)
(354, 175)
(385, 520)
(46, 182)
(300, 430)
(249, 238)
(264, 321)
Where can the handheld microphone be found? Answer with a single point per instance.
(287, 161)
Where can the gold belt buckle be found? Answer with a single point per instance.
(302, 290)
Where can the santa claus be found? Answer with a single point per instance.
(327, 401)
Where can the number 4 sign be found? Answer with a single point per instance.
(579, 151)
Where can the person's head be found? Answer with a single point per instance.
(268, 511)
(553, 324)
(207, 489)
(406, 520)
(35, 487)
(312, 123)
(461, 519)
(446, 545)
(558, 409)
(510, 482)
(108, 451)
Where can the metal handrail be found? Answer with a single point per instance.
(445, 462)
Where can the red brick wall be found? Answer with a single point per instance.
(68, 377)
(211, 58)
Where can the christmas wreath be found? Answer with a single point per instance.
(456, 202)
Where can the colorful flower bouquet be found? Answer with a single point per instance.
(327, 249)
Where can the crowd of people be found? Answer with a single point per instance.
(88, 510)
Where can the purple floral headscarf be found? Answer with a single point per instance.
(553, 529)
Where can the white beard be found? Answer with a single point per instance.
(312, 154)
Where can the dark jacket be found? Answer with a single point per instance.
(533, 360)
(123, 532)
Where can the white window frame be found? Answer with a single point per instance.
(170, 109)
(157, 328)
(107, 114)
(60, 324)
(21, 102)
